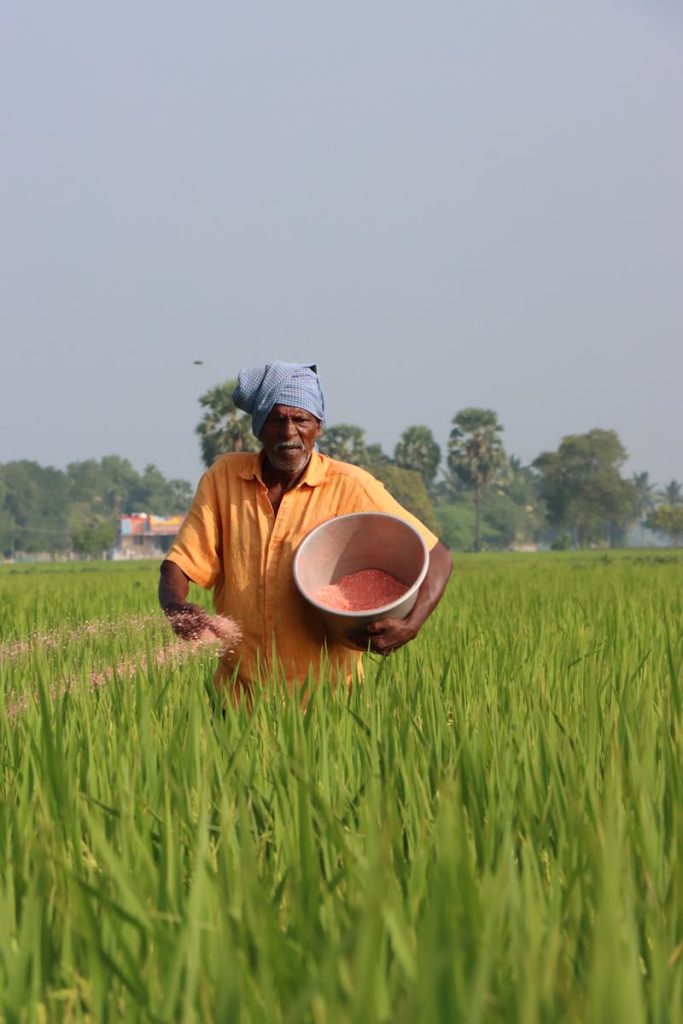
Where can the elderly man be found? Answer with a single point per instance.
(248, 516)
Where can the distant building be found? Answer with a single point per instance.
(145, 536)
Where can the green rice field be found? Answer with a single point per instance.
(488, 829)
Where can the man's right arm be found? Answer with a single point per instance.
(186, 620)
(189, 621)
(174, 585)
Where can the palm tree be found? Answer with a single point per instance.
(223, 427)
(673, 493)
(417, 450)
(476, 454)
(643, 498)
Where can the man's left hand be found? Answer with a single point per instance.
(382, 637)
(388, 635)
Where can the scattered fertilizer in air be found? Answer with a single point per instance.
(201, 629)
(58, 639)
(361, 591)
(215, 634)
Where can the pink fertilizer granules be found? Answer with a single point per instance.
(361, 591)
(214, 634)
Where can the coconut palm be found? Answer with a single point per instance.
(644, 492)
(417, 450)
(476, 454)
(223, 427)
(673, 493)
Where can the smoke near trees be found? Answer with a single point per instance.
(667, 517)
(583, 489)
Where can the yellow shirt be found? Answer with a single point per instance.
(232, 542)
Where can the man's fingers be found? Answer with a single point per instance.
(187, 621)
(194, 625)
(363, 642)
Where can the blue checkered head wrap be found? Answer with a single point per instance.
(259, 388)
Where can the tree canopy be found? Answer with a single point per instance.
(345, 442)
(478, 497)
(582, 486)
(47, 509)
(667, 518)
(407, 486)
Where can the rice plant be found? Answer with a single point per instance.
(487, 829)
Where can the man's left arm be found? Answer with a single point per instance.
(389, 634)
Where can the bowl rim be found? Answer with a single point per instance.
(364, 612)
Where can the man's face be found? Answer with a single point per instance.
(288, 438)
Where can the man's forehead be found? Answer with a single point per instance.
(289, 410)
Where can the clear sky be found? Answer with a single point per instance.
(442, 204)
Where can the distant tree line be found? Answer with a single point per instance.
(77, 509)
(475, 495)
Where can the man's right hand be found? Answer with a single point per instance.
(188, 621)
(196, 626)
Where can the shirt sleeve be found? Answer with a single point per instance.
(382, 501)
(197, 548)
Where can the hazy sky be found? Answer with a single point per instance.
(442, 204)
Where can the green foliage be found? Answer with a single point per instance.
(45, 509)
(643, 498)
(407, 486)
(417, 450)
(667, 519)
(504, 522)
(113, 487)
(6, 522)
(345, 442)
(582, 486)
(475, 450)
(487, 829)
(36, 500)
(502, 519)
(673, 492)
(643, 494)
(92, 533)
(116, 486)
(374, 455)
(456, 525)
(223, 427)
(520, 485)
